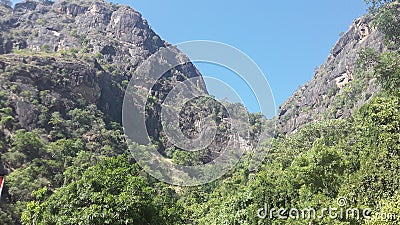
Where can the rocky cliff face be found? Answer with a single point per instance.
(336, 89)
(62, 60)
(87, 49)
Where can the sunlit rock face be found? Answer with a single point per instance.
(321, 97)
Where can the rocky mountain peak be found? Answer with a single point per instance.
(94, 41)
(97, 26)
(335, 90)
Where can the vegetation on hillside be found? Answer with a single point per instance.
(75, 168)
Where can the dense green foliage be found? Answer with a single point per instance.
(387, 19)
(75, 168)
(112, 192)
(357, 159)
(376, 4)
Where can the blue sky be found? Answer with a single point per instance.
(287, 39)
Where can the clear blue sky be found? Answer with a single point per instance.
(287, 39)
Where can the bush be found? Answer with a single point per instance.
(45, 48)
(388, 72)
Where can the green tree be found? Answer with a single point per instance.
(374, 5)
(26, 146)
(388, 214)
(111, 192)
(388, 72)
(387, 20)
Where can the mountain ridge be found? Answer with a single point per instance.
(64, 68)
(115, 38)
(317, 99)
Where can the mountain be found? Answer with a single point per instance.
(66, 66)
(337, 88)
(110, 41)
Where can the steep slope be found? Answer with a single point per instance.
(60, 130)
(114, 38)
(336, 89)
(64, 68)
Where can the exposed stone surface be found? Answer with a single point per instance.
(56, 57)
(98, 47)
(107, 42)
(316, 99)
(63, 81)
